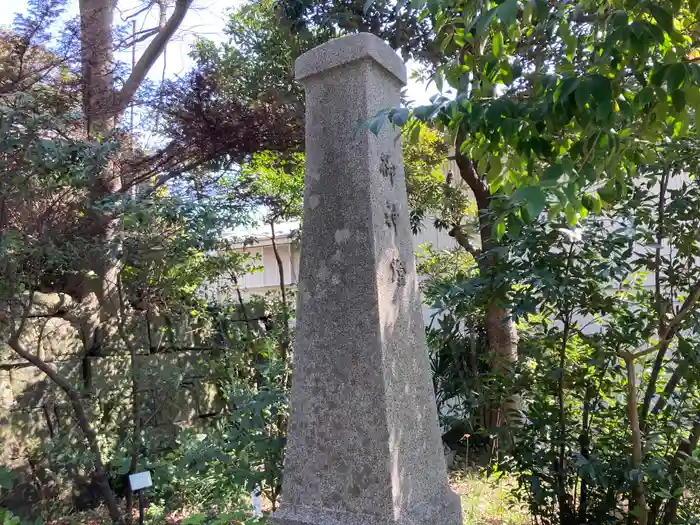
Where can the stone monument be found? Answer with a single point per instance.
(364, 446)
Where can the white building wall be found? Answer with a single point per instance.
(267, 280)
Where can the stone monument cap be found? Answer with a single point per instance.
(341, 51)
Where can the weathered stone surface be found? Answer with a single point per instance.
(58, 339)
(364, 446)
(180, 406)
(155, 364)
(50, 338)
(30, 387)
(208, 400)
(110, 373)
(6, 395)
(21, 432)
(194, 364)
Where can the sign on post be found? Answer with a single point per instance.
(140, 480)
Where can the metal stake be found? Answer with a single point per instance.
(142, 506)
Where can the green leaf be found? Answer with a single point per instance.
(695, 72)
(514, 226)
(582, 94)
(368, 4)
(533, 198)
(527, 13)
(439, 79)
(377, 122)
(414, 134)
(658, 73)
(400, 117)
(484, 21)
(692, 95)
(644, 97)
(601, 89)
(498, 44)
(604, 110)
(423, 113)
(499, 229)
(446, 42)
(567, 87)
(678, 99)
(553, 173)
(7, 478)
(569, 39)
(620, 19)
(662, 17)
(675, 76)
(507, 12)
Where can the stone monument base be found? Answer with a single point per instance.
(443, 510)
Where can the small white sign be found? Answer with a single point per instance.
(140, 480)
(257, 507)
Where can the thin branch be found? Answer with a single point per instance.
(148, 7)
(78, 409)
(463, 240)
(676, 473)
(469, 175)
(673, 325)
(671, 386)
(688, 304)
(151, 54)
(637, 498)
(140, 36)
(42, 365)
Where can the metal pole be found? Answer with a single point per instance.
(142, 506)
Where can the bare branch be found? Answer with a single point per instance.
(151, 54)
(672, 327)
(687, 306)
(463, 240)
(140, 36)
(671, 386)
(144, 9)
(637, 499)
(35, 360)
(80, 414)
(467, 171)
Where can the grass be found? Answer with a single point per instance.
(485, 501)
(488, 501)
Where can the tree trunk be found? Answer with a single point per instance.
(677, 473)
(502, 336)
(638, 506)
(96, 44)
(501, 331)
(104, 105)
(285, 343)
(503, 348)
(286, 339)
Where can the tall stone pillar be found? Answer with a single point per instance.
(364, 446)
